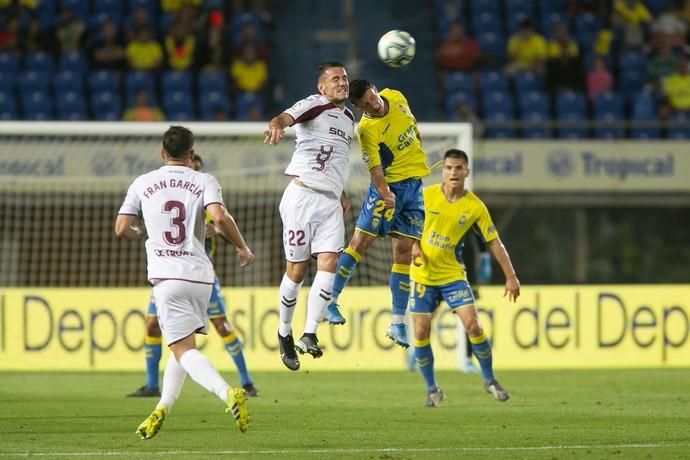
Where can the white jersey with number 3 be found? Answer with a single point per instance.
(173, 201)
(324, 134)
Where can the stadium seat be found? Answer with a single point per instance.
(608, 113)
(549, 21)
(534, 108)
(70, 106)
(486, 21)
(454, 82)
(632, 71)
(172, 81)
(249, 106)
(497, 101)
(587, 27)
(79, 8)
(106, 106)
(643, 110)
(33, 81)
(528, 81)
(492, 44)
(39, 62)
(103, 80)
(499, 125)
(67, 80)
(453, 101)
(211, 102)
(552, 6)
(138, 80)
(493, 81)
(485, 6)
(76, 62)
(571, 109)
(9, 63)
(520, 7)
(178, 105)
(7, 79)
(36, 106)
(679, 126)
(513, 22)
(110, 8)
(8, 107)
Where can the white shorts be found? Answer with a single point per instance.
(312, 223)
(181, 308)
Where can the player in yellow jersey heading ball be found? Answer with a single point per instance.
(392, 149)
(437, 271)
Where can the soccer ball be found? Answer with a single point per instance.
(396, 48)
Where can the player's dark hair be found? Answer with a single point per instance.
(325, 66)
(198, 158)
(456, 153)
(358, 88)
(178, 141)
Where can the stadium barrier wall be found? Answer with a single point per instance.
(615, 326)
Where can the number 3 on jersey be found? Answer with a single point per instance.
(179, 232)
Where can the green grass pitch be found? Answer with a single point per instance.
(620, 414)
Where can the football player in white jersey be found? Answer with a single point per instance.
(313, 203)
(172, 201)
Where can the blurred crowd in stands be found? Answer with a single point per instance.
(566, 68)
(135, 60)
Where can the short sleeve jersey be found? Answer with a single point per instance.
(172, 200)
(393, 141)
(321, 159)
(445, 226)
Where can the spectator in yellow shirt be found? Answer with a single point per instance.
(632, 16)
(143, 52)
(563, 70)
(526, 49)
(180, 46)
(677, 87)
(248, 72)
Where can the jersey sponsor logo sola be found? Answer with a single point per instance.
(340, 133)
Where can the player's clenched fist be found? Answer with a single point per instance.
(246, 256)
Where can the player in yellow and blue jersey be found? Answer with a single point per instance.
(392, 149)
(217, 315)
(437, 271)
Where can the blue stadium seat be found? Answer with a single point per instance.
(103, 80)
(30, 81)
(67, 80)
(485, 6)
(7, 79)
(212, 81)
(453, 101)
(111, 8)
(552, 6)
(498, 125)
(497, 101)
(571, 108)
(492, 44)
(486, 21)
(106, 106)
(454, 82)
(238, 22)
(656, 7)
(76, 62)
(212, 101)
(528, 81)
(173, 80)
(492, 80)
(513, 22)
(679, 126)
(9, 62)
(138, 80)
(178, 105)
(608, 113)
(549, 21)
(36, 106)
(249, 106)
(633, 71)
(534, 108)
(80, 8)
(8, 107)
(587, 27)
(39, 62)
(643, 110)
(70, 106)
(520, 8)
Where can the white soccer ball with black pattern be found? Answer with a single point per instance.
(396, 48)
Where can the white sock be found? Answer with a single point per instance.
(202, 372)
(289, 290)
(319, 298)
(173, 379)
(397, 319)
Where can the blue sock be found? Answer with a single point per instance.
(481, 347)
(347, 262)
(234, 348)
(424, 358)
(400, 288)
(153, 350)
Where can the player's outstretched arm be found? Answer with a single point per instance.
(276, 128)
(227, 227)
(503, 259)
(125, 228)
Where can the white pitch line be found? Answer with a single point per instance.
(338, 451)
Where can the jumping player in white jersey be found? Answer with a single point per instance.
(172, 201)
(313, 203)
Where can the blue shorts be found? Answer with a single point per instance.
(407, 219)
(425, 299)
(216, 305)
